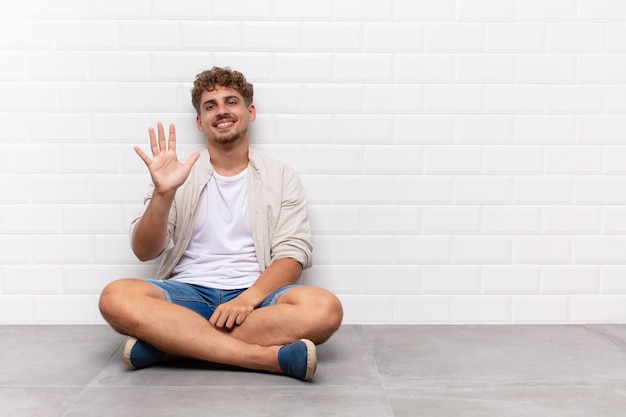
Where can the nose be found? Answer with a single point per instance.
(221, 110)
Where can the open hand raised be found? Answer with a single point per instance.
(167, 172)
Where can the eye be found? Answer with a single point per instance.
(209, 107)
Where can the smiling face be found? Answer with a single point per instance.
(224, 116)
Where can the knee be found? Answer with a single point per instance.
(114, 301)
(334, 312)
(329, 313)
(109, 299)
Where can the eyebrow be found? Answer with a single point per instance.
(226, 98)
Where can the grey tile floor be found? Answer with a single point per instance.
(378, 371)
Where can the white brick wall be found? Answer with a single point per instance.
(465, 160)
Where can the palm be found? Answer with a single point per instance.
(166, 170)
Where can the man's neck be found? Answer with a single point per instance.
(229, 160)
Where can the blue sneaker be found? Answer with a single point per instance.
(298, 359)
(139, 354)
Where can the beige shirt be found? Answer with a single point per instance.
(277, 210)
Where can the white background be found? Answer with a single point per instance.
(465, 160)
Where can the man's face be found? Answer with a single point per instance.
(224, 116)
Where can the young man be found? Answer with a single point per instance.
(231, 226)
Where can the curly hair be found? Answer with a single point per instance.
(209, 80)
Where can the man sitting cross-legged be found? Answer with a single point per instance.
(232, 229)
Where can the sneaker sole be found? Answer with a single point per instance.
(311, 359)
(128, 347)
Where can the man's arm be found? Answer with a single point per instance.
(279, 274)
(150, 234)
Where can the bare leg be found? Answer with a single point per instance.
(137, 308)
(302, 312)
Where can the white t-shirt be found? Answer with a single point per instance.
(221, 251)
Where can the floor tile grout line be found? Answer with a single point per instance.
(72, 403)
(596, 329)
(380, 378)
(91, 381)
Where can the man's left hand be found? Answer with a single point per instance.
(231, 313)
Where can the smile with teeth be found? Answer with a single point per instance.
(225, 124)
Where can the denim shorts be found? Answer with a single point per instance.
(205, 300)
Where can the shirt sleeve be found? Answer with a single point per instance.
(292, 232)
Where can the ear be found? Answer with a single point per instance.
(199, 124)
(252, 112)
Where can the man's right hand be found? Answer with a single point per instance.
(167, 172)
